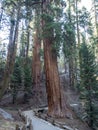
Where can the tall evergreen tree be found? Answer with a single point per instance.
(11, 49)
(89, 87)
(57, 106)
(36, 64)
(69, 44)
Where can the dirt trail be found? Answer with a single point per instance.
(72, 99)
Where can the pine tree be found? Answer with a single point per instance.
(89, 89)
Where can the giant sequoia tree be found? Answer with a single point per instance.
(56, 102)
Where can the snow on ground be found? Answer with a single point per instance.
(6, 115)
(39, 124)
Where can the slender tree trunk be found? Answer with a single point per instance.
(11, 55)
(72, 52)
(71, 73)
(96, 17)
(77, 23)
(28, 42)
(28, 15)
(96, 25)
(1, 16)
(36, 66)
(36, 63)
(56, 103)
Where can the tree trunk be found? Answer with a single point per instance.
(72, 47)
(36, 63)
(28, 15)
(56, 102)
(11, 55)
(36, 66)
(96, 17)
(57, 106)
(71, 73)
(1, 10)
(77, 23)
(28, 42)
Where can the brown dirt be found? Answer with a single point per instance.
(74, 123)
(72, 96)
(9, 125)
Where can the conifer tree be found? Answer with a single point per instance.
(89, 87)
(14, 26)
(57, 106)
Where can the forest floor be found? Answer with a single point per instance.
(74, 123)
(32, 104)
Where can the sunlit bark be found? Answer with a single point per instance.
(57, 106)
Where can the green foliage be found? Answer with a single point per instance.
(16, 77)
(84, 16)
(69, 39)
(16, 80)
(85, 21)
(89, 88)
(88, 71)
(22, 73)
(47, 17)
(2, 59)
(27, 78)
(57, 37)
(53, 25)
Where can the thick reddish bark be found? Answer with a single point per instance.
(36, 62)
(56, 102)
(57, 106)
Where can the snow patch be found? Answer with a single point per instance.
(37, 123)
(6, 115)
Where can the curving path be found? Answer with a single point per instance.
(39, 124)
